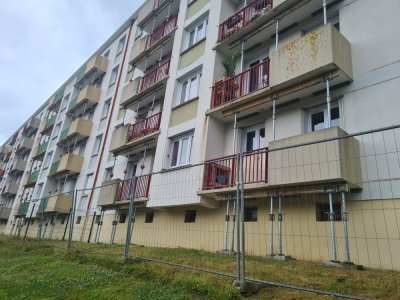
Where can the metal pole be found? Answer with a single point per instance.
(280, 219)
(133, 222)
(333, 235)
(237, 219)
(91, 227)
(130, 214)
(328, 96)
(233, 227)
(29, 220)
(242, 219)
(226, 226)
(71, 223)
(242, 57)
(66, 225)
(345, 216)
(271, 229)
(276, 33)
(273, 119)
(325, 12)
(114, 226)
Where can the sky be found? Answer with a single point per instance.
(42, 43)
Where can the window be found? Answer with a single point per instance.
(189, 89)
(114, 74)
(106, 54)
(65, 102)
(108, 174)
(88, 181)
(253, 138)
(78, 220)
(190, 216)
(180, 150)
(47, 160)
(39, 190)
(317, 118)
(121, 44)
(149, 217)
(196, 33)
(322, 212)
(106, 108)
(122, 218)
(62, 220)
(57, 130)
(97, 144)
(250, 214)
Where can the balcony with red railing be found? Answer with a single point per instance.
(243, 84)
(144, 127)
(221, 172)
(153, 77)
(141, 185)
(243, 17)
(163, 30)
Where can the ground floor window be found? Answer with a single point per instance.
(149, 217)
(122, 218)
(250, 214)
(190, 216)
(322, 212)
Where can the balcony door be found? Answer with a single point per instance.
(258, 75)
(253, 138)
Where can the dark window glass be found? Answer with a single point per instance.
(62, 220)
(149, 217)
(190, 216)
(322, 212)
(317, 121)
(122, 218)
(250, 140)
(250, 214)
(335, 113)
(78, 220)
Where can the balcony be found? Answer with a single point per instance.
(7, 157)
(5, 213)
(39, 150)
(69, 163)
(18, 166)
(133, 138)
(60, 204)
(21, 209)
(78, 130)
(221, 172)
(55, 101)
(95, 68)
(2, 173)
(336, 161)
(117, 193)
(241, 85)
(48, 124)
(25, 145)
(87, 97)
(31, 126)
(154, 77)
(162, 31)
(3, 151)
(247, 15)
(31, 179)
(293, 71)
(10, 189)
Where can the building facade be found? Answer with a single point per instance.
(167, 103)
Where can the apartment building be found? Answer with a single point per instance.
(183, 86)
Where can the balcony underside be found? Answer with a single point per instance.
(85, 104)
(157, 45)
(160, 85)
(72, 139)
(139, 145)
(261, 100)
(146, 99)
(124, 204)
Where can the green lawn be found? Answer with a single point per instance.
(31, 272)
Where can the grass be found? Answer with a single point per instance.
(31, 272)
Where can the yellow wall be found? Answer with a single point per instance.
(184, 113)
(195, 7)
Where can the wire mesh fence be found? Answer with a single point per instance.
(323, 197)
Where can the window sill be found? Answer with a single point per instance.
(184, 103)
(194, 45)
(170, 169)
(191, 3)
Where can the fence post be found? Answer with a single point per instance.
(130, 216)
(242, 217)
(345, 216)
(71, 223)
(91, 227)
(333, 234)
(237, 219)
(29, 221)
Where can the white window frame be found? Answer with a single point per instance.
(121, 44)
(107, 173)
(65, 102)
(180, 140)
(185, 88)
(106, 109)
(57, 130)
(194, 29)
(47, 160)
(321, 108)
(97, 145)
(114, 75)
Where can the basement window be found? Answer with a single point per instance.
(62, 220)
(322, 212)
(149, 217)
(250, 214)
(190, 216)
(122, 218)
(78, 220)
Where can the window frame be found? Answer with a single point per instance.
(180, 140)
(195, 30)
(121, 44)
(113, 79)
(324, 109)
(190, 216)
(98, 139)
(322, 212)
(197, 76)
(107, 104)
(149, 217)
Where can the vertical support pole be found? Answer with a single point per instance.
(133, 222)
(130, 216)
(345, 219)
(332, 220)
(29, 220)
(328, 96)
(242, 56)
(52, 224)
(325, 12)
(71, 221)
(233, 227)
(271, 229)
(67, 223)
(114, 226)
(91, 227)
(242, 218)
(238, 275)
(273, 119)
(225, 248)
(280, 219)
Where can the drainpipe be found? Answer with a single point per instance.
(332, 220)
(345, 216)
(242, 57)
(328, 96)
(109, 119)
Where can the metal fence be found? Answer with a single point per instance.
(332, 200)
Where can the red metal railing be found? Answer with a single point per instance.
(165, 28)
(154, 76)
(144, 127)
(243, 17)
(2, 172)
(245, 83)
(141, 190)
(221, 172)
(157, 3)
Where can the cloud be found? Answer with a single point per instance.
(43, 43)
